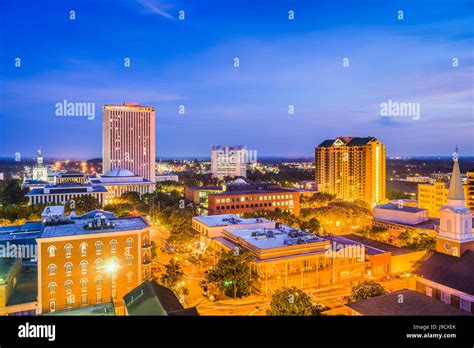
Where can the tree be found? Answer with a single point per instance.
(232, 273)
(131, 197)
(84, 204)
(11, 192)
(311, 225)
(395, 194)
(180, 225)
(293, 302)
(366, 289)
(173, 278)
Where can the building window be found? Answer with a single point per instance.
(68, 250)
(83, 284)
(113, 246)
(114, 294)
(70, 301)
(98, 247)
(99, 297)
(83, 266)
(129, 243)
(68, 285)
(52, 270)
(98, 265)
(84, 299)
(465, 305)
(52, 251)
(130, 277)
(129, 260)
(68, 268)
(52, 306)
(98, 282)
(52, 288)
(83, 249)
(445, 297)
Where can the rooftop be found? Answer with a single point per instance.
(103, 309)
(404, 208)
(414, 303)
(119, 172)
(453, 272)
(347, 141)
(227, 220)
(77, 228)
(270, 238)
(150, 298)
(228, 147)
(373, 246)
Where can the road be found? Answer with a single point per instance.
(330, 296)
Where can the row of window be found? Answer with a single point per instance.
(99, 264)
(259, 198)
(273, 204)
(52, 250)
(68, 284)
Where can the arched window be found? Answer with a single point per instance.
(83, 284)
(52, 269)
(113, 246)
(83, 248)
(83, 266)
(129, 260)
(129, 242)
(68, 250)
(52, 288)
(130, 277)
(98, 282)
(98, 264)
(98, 247)
(51, 251)
(68, 285)
(68, 267)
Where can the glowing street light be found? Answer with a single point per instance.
(111, 268)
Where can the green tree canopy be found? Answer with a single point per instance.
(366, 289)
(293, 302)
(232, 273)
(11, 192)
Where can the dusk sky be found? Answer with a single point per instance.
(282, 62)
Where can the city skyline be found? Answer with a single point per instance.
(283, 62)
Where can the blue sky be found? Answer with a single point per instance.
(282, 63)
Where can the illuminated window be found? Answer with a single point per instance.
(68, 250)
(113, 246)
(52, 288)
(52, 251)
(84, 284)
(83, 266)
(52, 269)
(98, 247)
(68, 267)
(129, 243)
(129, 277)
(98, 282)
(129, 260)
(83, 249)
(98, 264)
(68, 285)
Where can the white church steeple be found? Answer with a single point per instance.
(455, 230)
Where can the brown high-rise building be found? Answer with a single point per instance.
(128, 139)
(352, 168)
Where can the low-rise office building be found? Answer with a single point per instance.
(65, 192)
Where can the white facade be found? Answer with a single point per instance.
(40, 172)
(128, 139)
(229, 160)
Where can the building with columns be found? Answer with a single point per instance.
(65, 192)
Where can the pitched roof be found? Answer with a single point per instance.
(453, 272)
(414, 303)
(348, 141)
(150, 298)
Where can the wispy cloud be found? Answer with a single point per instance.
(157, 7)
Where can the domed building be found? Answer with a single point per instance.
(120, 180)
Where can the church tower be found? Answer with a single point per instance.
(455, 231)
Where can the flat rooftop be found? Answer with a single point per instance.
(373, 247)
(77, 228)
(270, 238)
(404, 208)
(228, 220)
(254, 191)
(103, 309)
